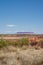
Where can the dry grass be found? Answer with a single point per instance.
(21, 57)
(20, 52)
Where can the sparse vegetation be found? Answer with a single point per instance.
(25, 41)
(17, 43)
(21, 42)
(33, 43)
(17, 52)
(3, 43)
(41, 43)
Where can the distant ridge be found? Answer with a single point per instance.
(25, 32)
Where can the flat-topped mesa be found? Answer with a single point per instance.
(25, 32)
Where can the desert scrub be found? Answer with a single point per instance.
(33, 43)
(41, 43)
(3, 43)
(21, 42)
(25, 41)
(17, 43)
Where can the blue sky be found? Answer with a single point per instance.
(21, 15)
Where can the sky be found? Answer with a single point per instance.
(21, 16)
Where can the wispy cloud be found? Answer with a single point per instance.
(10, 25)
(9, 32)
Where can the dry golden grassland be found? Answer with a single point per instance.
(21, 52)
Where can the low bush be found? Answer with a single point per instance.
(21, 42)
(3, 43)
(25, 41)
(41, 43)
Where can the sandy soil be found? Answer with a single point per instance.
(11, 37)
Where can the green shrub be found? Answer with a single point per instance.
(21, 42)
(25, 41)
(17, 43)
(3, 43)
